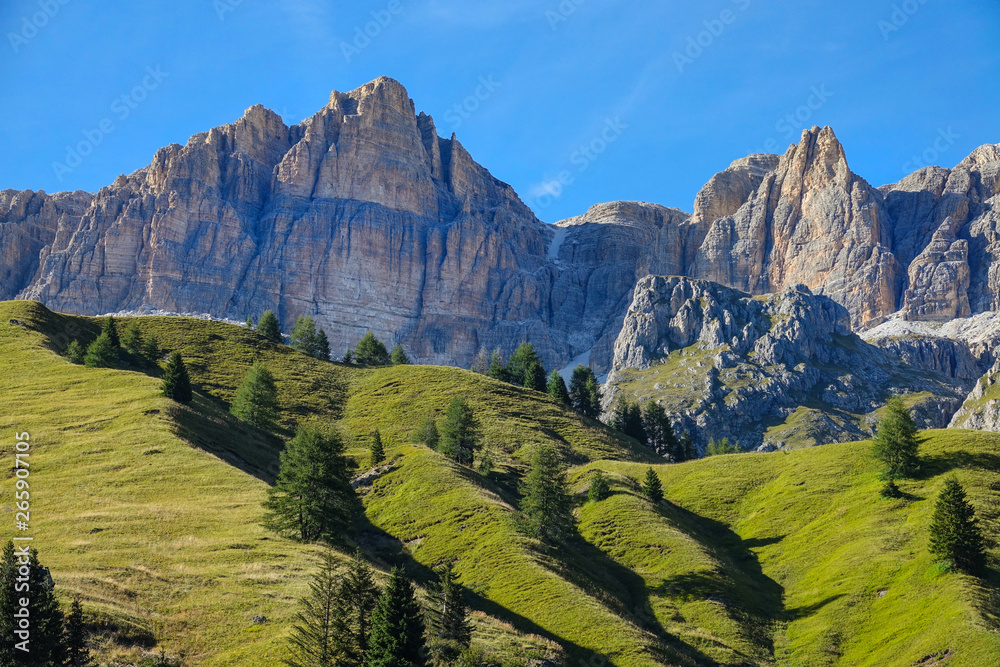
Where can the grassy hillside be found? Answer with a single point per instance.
(150, 512)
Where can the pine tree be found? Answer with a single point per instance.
(481, 362)
(357, 596)
(256, 400)
(397, 636)
(534, 377)
(312, 499)
(487, 459)
(377, 449)
(132, 339)
(660, 433)
(427, 433)
(77, 653)
(102, 353)
(313, 638)
(269, 327)
(626, 418)
(249, 323)
(525, 360)
(721, 447)
(583, 391)
(322, 346)
(176, 382)
(955, 536)
(398, 356)
(498, 367)
(688, 447)
(74, 352)
(8, 605)
(151, 350)
(652, 488)
(447, 616)
(545, 500)
(556, 388)
(370, 351)
(304, 337)
(599, 489)
(111, 330)
(349, 357)
(459, 432)
(895, 444)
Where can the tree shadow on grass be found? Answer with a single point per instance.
(940, 464)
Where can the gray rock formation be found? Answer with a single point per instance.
(981, 408)
(364, 218)
(782, 370)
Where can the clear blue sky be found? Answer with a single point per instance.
(891, 76)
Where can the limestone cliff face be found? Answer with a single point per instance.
(811, 222)
(363, 217)
(778, 371)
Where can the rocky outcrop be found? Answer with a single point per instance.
(811, 222)
(763, 371)
(939, 278)
(981, 408)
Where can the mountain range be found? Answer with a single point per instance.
(362, 217)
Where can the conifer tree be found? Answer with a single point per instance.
(427, 433)
(74, 352)
(721, 447)
(626, 418)
(534, 377)
(269, 327)
(313, 641)
(249, 323)
(459, 432)
(77, 653)
(397, 636)
(111, 330)
(955, 536)
(176, 382)
(312, 499)
(652, 488)
(8, 604)
(304, 336)
(357, 596)
(895, 444)
(524, 357)
(660, 433)
(322, 346)
(256, 400)
(447, 616)
(599, 489)
(398, 356)
(151, 350)
(688, 447)
(102, 353)
(132, 339)
(370, 351)
(45, 643)
(498, 367)
(481, 362)
(349, 357)
(556, 388)
(545, 500)
(583, 391)
(377, 449)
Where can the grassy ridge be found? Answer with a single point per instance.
(754, 559)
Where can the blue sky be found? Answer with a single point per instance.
(572, 102)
